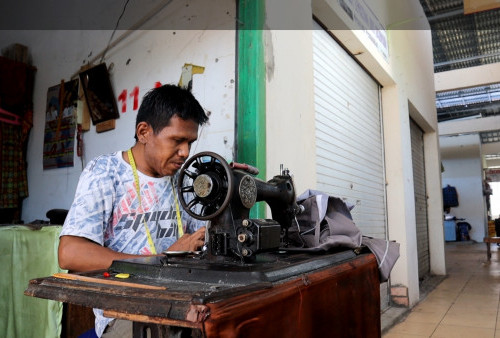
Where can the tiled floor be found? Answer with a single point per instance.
(465, 304)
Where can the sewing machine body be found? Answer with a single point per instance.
(210, 189)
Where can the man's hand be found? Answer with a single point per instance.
(81, 254)
(189, 242)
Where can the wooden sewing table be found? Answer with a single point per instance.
(329, 295)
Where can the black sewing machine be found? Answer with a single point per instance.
(238, 249)
(223, 194)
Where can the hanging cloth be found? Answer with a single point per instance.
(450, 196)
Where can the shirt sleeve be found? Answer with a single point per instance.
(93, 204)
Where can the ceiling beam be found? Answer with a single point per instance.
(472, 58)
(469, 126)
(445, 15)
(467, 77)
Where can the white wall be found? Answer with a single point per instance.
(463, 170)
(289, 94)
(408, 90)
(141, 59)
(413, 96)
(495, 200)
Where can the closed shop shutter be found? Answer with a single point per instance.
(349, 141)
(417, 152)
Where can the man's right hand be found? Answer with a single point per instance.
(81, 254)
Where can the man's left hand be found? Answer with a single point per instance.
(189, 242)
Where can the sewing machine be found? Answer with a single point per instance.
(223, 194)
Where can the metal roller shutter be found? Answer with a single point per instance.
(349, 149)
(417, 152)
(349, 141)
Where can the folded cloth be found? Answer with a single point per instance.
(326, 223)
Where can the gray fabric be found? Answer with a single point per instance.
(118, 328)
(326, 224)
(386, 252)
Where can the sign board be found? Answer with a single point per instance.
(366, 20)
(493, 174)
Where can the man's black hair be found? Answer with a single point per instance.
(160, 104)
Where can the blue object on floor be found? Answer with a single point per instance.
(88, 334)
(450, 232)
(463, 229)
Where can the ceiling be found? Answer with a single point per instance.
(460, 41)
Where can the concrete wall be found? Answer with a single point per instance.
(289, 93)
(407, 77)
(140, 60)
(413, 98)
(463, 170)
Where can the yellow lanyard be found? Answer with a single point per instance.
(138, 189)
(180, 231)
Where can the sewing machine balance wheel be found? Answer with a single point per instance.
(205, 185)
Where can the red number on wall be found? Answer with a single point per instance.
(135, 95)
(123, 97)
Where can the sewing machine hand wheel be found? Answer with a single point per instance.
(205, 185)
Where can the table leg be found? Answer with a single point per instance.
(488, 250)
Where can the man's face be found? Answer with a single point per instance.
(165, 152)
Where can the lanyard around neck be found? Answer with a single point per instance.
(180, 231)
(138, 189)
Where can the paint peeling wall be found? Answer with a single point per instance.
(137, 63)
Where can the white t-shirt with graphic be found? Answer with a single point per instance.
(106, 210)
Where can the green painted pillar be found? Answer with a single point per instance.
(251, 91)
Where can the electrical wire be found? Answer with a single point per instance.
(114, 30)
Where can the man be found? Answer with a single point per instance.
(112, 218)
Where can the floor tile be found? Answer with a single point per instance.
(406, 327)
(425, 317)
(465, 303)
(453, 331)
(402, 335)
(465, 317)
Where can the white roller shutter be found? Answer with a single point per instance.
(349, 141)
(349, 148)
(417, 152)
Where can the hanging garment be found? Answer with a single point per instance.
(450, 196)
(13, 177)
